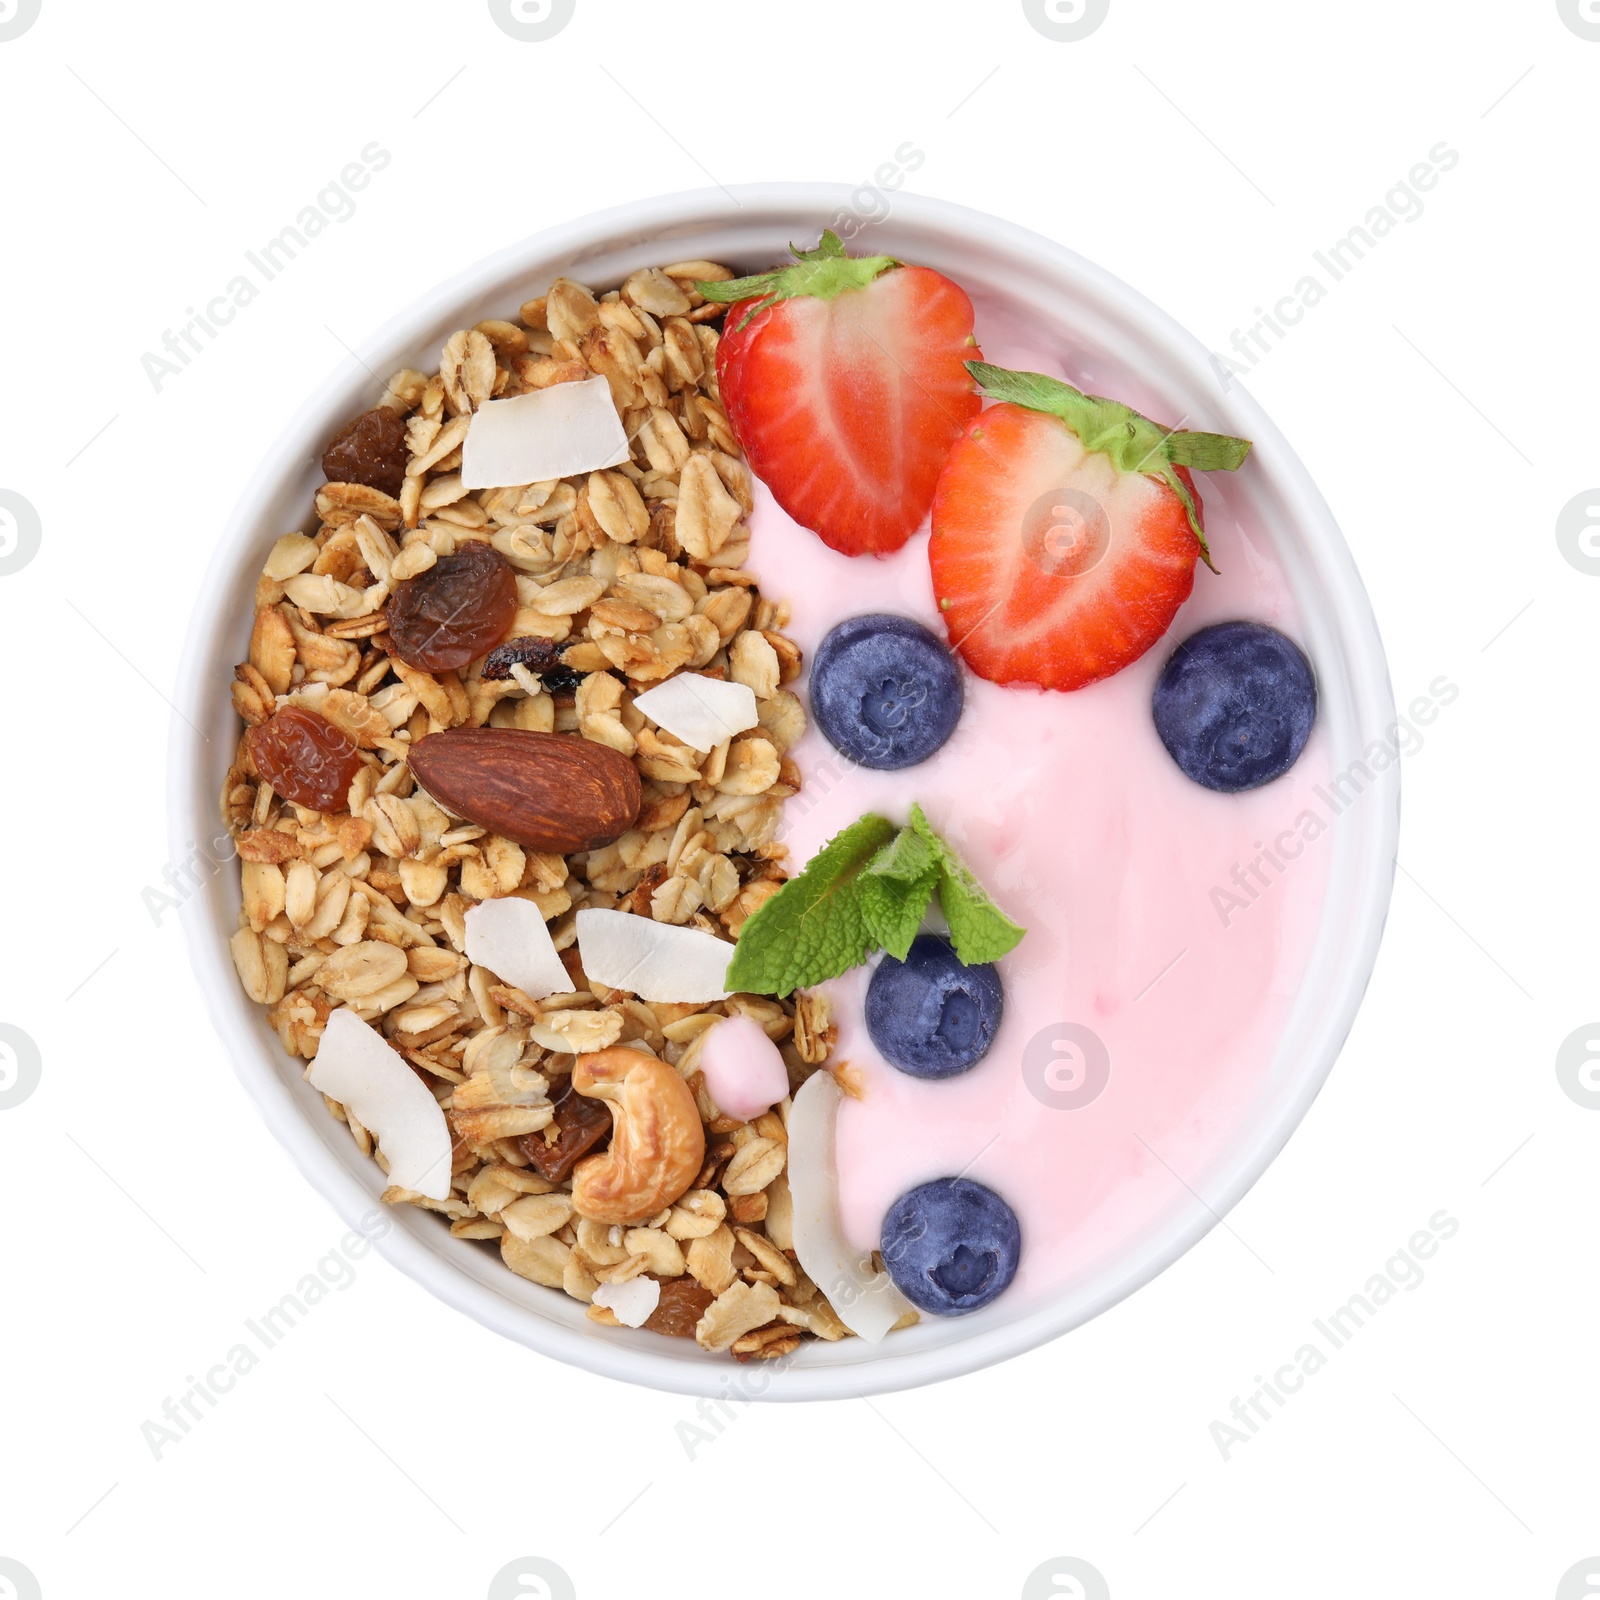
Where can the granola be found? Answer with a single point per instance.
(624, 576)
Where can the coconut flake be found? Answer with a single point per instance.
(700, 711)
(867, 1302)
(631, 1303)
(354, 1066)
(745, 1074)
(653, 960)
(510, 937)
(550, 433)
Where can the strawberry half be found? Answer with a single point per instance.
(1065, 531)
(843, 379)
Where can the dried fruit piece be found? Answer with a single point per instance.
(682, 1304)
(556, 432)
(371, 450)
(699, 711)
(455, 611)
(550, 792)
(631, 1301)
(866, 1300)
(540, 656)
(510, 937)
(682, 966)
(359, 1068)
(305, 758)
(581, 1124)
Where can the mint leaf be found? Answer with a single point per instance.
(894, 909)
(907, 858)
(979, 929)
(814, 927)
(896, 888)
(868, 888)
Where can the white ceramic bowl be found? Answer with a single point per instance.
(749, 228)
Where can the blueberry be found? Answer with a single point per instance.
(1235, 704)
(951, 1245)
(885, 691)
(929, 1015)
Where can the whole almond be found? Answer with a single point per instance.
(552, 792)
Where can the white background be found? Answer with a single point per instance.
(1440, 395)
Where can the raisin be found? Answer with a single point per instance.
(532, 652)
(539, 656)
(583, 1123)
(563, 680)
(682, 1304)
(305, 758)
(450, 614)
(371, 450)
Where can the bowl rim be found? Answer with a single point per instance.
(240, 1026)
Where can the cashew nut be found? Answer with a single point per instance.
(658, 1142)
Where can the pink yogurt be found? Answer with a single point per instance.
(1125, 873)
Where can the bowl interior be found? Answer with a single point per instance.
(1084, 309)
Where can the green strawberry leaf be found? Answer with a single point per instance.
(979, 929)
(1133, 442)
(829, 246)
(814, 927)
(823, 273)
(1206, 452)
(1170, 477)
